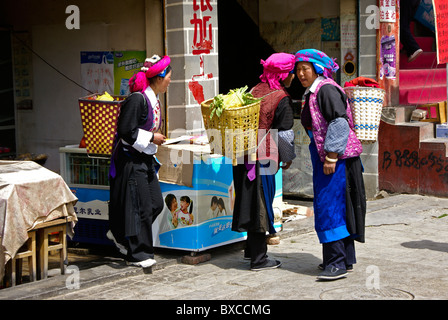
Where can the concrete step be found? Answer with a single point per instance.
(401, 116)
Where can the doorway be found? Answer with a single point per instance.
(7, 110)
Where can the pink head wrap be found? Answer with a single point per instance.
(152, 67)
(155, 65)
(138, 82)
(276, 68)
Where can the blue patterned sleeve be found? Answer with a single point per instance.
(337, 136)
(286, 145)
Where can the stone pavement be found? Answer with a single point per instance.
(405, 257)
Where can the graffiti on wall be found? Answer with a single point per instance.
(427, 163)
(412, 159)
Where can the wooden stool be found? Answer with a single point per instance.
(58, 226)
(13, 270)
(436, 111)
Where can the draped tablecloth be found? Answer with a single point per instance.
(29, 194)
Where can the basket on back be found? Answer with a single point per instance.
(366, 104)
(99, 123)
(233, 133)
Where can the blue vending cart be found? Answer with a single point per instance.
(191, 179)
(88, 179)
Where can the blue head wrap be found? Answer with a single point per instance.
(322, 63)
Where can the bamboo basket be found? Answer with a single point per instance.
(233, 133)
(366, 104)
(99, 123)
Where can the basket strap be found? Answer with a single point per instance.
(271, 93)
(265, 94)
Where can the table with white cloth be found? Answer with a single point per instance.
(30, 195)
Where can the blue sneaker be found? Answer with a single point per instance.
(332, 273)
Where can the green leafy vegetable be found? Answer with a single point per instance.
(234, 99)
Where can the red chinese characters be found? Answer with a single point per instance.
(202, 44)
(388, 10)
(203, 34)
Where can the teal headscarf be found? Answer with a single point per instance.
(322, 63)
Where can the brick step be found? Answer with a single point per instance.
(425, 129)
(410, 159)
(437, 145)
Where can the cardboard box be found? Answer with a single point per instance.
(177, 163)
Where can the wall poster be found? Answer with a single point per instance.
(110, 70)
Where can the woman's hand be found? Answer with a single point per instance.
(158, 138)
(330, 165)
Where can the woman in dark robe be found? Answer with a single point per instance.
(255, 182)
(135, 194)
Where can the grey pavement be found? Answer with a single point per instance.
(405, 257)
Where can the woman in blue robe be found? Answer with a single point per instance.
(339, 193)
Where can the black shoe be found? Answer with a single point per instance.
(332, 273)
(348, 267)
(269, 264)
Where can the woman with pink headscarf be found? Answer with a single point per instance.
(135, 195)
(255, 182)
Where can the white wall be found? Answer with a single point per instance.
(55, 120)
